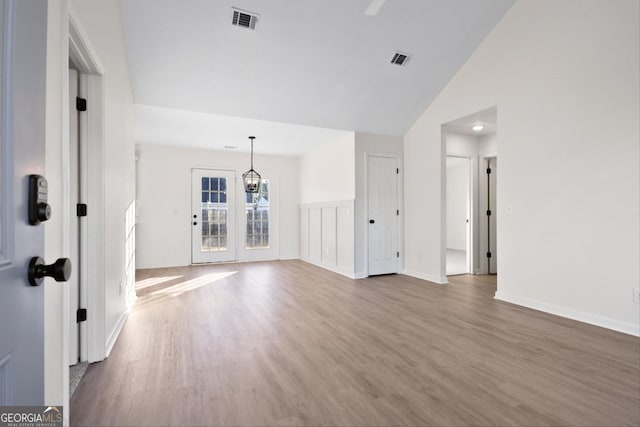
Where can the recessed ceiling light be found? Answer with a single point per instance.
(231, 147)
(477, 128)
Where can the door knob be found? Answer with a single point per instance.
(60, 270)
(372, 221)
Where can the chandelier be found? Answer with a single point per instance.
(251, 178)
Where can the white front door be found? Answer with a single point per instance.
(382, 208)
(213, 216)
(23, 43)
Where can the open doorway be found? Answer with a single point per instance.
(469, 244)
(458, 215)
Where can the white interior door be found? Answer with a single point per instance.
(213, 216)
(23, 42)
(74, 246)
(382, 208)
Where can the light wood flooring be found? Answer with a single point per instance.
(287, 343)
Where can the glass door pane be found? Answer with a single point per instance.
(257, 218)
(214, 210)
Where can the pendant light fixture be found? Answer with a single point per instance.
(251, 178)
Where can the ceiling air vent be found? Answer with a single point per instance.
(400, 58)
(244, 19)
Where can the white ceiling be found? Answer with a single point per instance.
(320, 63)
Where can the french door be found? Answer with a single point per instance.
(213, 216)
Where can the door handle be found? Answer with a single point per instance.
(372, 221)
(60, 270)
(195, 223)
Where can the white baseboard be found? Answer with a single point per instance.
(592, 319)
(287, 257)
(360, 276)
(116, 333)
(330, 268)
(427, 277)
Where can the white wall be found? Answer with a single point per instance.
(366, 144)
(327, 173)
(564, 76)
(163, 230)
(460, 144)
(457, 202)
(488, 144)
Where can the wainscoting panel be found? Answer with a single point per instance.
(315, 235)
(327, 235)
(304, 233)
(345, 239)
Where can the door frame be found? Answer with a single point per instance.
(94, 345)
(400, 205)
(483, 232)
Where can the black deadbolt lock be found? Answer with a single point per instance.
(39, 209)
(60, 270)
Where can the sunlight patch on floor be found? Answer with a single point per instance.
(189, 285)
(153, 281)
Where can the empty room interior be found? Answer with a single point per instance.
(323, 213)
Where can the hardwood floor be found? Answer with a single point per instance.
(287, 343)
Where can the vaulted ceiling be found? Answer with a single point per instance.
(319, 63)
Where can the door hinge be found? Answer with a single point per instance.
(488, 254)
(81, 104)
(81, 315)
(397, 170)
(488, 171)
(397, 254)
(489, 212)
(397, 211)
(81, 209)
